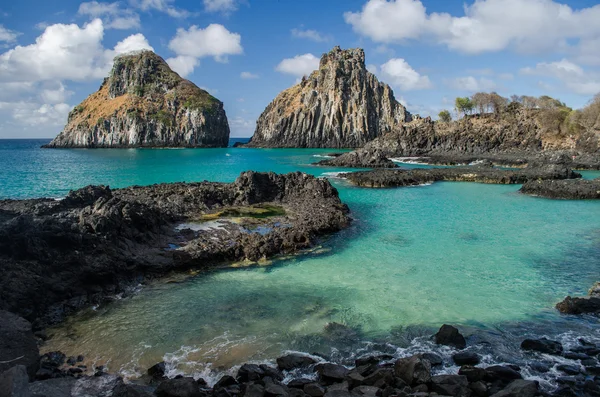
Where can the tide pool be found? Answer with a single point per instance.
(481, 256)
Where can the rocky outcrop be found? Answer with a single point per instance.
(143, 103)
(580, 189)
(481, 174)
(582, 305)
(360, 159)
(17, 344)
(513, 138)
(98, 241)
(340, 105)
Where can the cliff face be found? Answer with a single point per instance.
(143, 103)
(340, 105)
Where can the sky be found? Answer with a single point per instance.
(53, 54)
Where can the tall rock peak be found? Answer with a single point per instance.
(339, 105)
(143, 103)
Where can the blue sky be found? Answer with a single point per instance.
(54, 54)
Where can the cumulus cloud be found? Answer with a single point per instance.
(310, 35)
(162, 6)
(472, 84)
(300, 65)
(7, 36)
(400, 74)
(113, 16)
(224, 6)
(487, 25)
(248, 75)
(372, 68)
(194, 43)
(241, 127)
(571, 75)
(34, 75)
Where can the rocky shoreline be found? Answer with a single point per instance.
(381, 178)
(461, 373)
(98, 241)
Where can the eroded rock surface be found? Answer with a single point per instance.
(143, 103)
(340, 105)
(579, 189)
(97, 241)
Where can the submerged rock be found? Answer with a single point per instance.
(542, 345)
(340, 105)
(582, 305)
(143, 103)
(294, 360)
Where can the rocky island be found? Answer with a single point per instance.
(340, 105)
(143, 103)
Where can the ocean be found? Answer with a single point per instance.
(482, 257)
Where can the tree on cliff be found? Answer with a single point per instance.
(445, 116)
(463, 105)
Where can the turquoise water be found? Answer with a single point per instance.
(482, 256)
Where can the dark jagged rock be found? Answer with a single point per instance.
(340, 105)
(451, 385)
(413, 177)
(542, 345)
(99, 241)
(181, 387)
(502, 373)
(360, 159)
(579, 189)
(413, 370)
(450, 336)
(157, 371)
(519, 388)
(14, 382)
(17, 343)
(331, 372)
(249, 372)
(143, 103)
(473, 374)
(466, 358)
(294, 360)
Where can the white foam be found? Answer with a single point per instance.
(323, 156)
(334, 174)
(203, 226)
(407, 160)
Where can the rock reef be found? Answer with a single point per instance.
(143, 103)
(483, 174)
(580, 189)
(582, 305)
(340, 105)
(98, 241)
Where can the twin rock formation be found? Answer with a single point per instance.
(143, 103)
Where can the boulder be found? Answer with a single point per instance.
(157, 371)
(542, 345)
(433, 358)
(225, 381)
(502, 373)
(450, 336)
(519, 388)
(314, 390)
(17, 344)
(249, 373)
(179, 387)
(451, 385)
(294, 360)
(14, 382)
(466, 358)
(59, 387)
(413, 370)
(255, 390)
(331, 372)
(366, 391)
(473, 374)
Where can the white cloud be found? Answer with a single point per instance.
(224, 6)
(195, 43)
(241, 127)
(7, 35)
(310, 34)
(248, 75)
(162, 6)
(55, 93)
(184, 65)
(32, 77)
(472, 84)
(113, 16)
(300, 65)
(399, 73)
(573, 76)
(487, 25)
